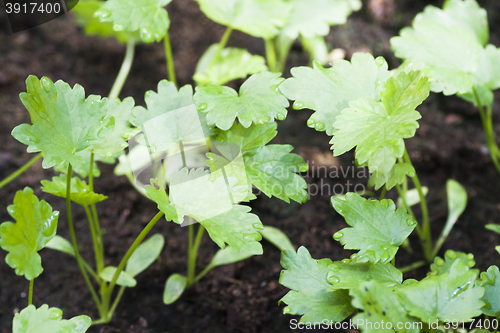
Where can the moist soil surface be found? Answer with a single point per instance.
(241, 297)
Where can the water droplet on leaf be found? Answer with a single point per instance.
(202, 107)
(319, 126)
(118, 27)
(451, 254)
(380, 61)
(55, 314)
(303, 167)
(338, 235)
(332, 278)
(147, 35)
(109, 154)
(346, 261)
(102, 14)
(258, 226)
(439, 261)
(287, 310)
(310, 123)
(281, 116)
(298, 105)
(46, 83)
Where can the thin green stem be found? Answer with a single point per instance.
(20, 170)
(91, 172)
(97, 253)
(75, 245)
(95, 219)
(30, 293)
(222, 45)
(124, 70)
(116, 301)
(425, 234)
(193, 255)
(170, 59)
(402, 195)
(90, 270)
(270, 54)
(413, 266)
(99, 234)
(382, 195)
(107, 296)
(183, 154)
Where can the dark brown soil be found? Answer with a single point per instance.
(242, 297)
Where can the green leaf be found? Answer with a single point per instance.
(277, 237)
(451, 53)
(146, 16)
(156, 192)
(227, 256)
(396, 176)
(48, 320)
(35, 226)
(233, 63)
(259, 18)
(236, 227)
(490, 281)
(80, 191)
(174, 287)
(457, 201)
(124, 279)
(449, 296)
(274, 171)
(248, 139)
(329, 91)
(259, 101)
(116, 141)
(378, 128)
(377, 228)
(64, 122)
(493, 227)
(347, 274)
(314, 18)
(84, 170)
(309, 295)
(145, 255)
(412, 197)
(84, 13)
(466, 15)
(380, 305)
(60, 244)
(317, 49)
(440, 266)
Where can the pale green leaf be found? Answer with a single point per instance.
(311, 18)
(277, 237)
(396, 176)
(259, 101)
(440, 266)
(174, 287)
(317, 49)
(35, 226)
(449, 296)
(347, 274)
(124, 279)
(227, 256)
(248, 139)
(64, 122)
(329, 90)
(48, 320)
(451, 53)
(490, 281)
(412, 197)
(259, 18)
(493, 227)
(156, 192)
(380, 305)
(232, 63)
(80, 191)
(377, 228)
(378, 128)
(84, 13)
(274, 171)
(61, 244)
(309, 297)
(146, 16)
(145, 255)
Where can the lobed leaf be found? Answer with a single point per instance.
(314, 18)
(378, 128)
(377, 228)
(329, 91)
(309, 296)
(64, 122)
(80, 191)
(380, 305)
(35, 226)
(146, 16)
(259, 101)
(250, 138)
(232, 63)
(490, 281)
(448, 296)
(259, 18)
(48, 320)
(440, 266)
(396, 176)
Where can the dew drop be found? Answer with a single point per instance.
(287, 310)
(255, 237)
(354, 256)
(152, 149)
(124, 145)
(264, 119)
(109, 154)
(470, 256)
(298, 105)
(385, 258)
(451, 254)
(55, 314)
(202, 107)
(281, 116)
(471, 263)
(346, 261)
(303, 167)
(319, 126)
(102, 13)
(147, 35)
(332, 278)
(148, 93)
(310, 123)
(118, 27)
(258, 226)
(439, 261)
(338, 235)
(102, 132)
(411, 222)
(46, 83)
(380, 61)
